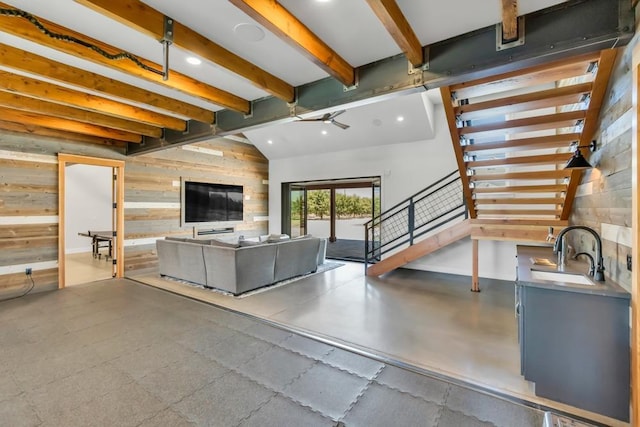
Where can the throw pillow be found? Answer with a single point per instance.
(274, 238)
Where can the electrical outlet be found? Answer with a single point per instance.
(629, 262)
(27, 271)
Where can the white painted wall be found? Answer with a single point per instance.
(404, 169)
(87, 205)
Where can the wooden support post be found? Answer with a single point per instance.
(475, 283)
(332, 215)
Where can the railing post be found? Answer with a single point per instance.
(411, 220)
(366, 248)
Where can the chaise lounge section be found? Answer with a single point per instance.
(238, 268)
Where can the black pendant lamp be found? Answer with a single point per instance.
(577, 161)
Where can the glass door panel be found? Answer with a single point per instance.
(298, 212)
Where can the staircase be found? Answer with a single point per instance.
(512, 135)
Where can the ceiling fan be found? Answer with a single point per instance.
(329, 118)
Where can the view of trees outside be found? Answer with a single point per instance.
(350, 203)
(353, 209)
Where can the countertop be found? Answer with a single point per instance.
(525, 264)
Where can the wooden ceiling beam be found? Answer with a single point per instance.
(190, 86)
(144, 18)
(389, 13)
(31, 63)
(560, 140)
(28, 118)
(543, 159)
(556, 97)
(278, 20)
(33, 105)
(509, 20)
(50, 92)
(58, 135)
(547, 121)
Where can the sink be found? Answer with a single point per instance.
(557, 276)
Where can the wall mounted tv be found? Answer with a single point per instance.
(205, 202)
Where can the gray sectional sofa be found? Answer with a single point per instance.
(237, 269)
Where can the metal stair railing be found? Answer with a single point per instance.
(430, 208)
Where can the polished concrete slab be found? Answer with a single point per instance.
(118, 353)
(428, 321)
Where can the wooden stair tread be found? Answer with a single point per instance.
(553, 141)
(521, 201)
(551, 188)
(547, 159)
(555, 97)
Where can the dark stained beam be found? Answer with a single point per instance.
(389, 13)
(24, 29)
(141, 17)
(288, 28)
(26, 61)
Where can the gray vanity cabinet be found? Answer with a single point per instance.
(575, 347)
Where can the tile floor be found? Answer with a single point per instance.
(118, 353)
(427, 321)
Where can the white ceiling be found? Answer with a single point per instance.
(348, 26)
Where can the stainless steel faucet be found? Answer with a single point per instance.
(558, 248)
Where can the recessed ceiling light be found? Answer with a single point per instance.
(400, 118)
(269, 142)
(249, 32)
(193, 60)
(324, 132)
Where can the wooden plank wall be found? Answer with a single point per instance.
(603, 200)
(152, 193)
(29, 200)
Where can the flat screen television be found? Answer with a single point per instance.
(205, 202)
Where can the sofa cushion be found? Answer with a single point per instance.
(245, 243)
(223, 244)
(296, 257)
(176, 239)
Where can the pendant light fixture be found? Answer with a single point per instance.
(577, 161)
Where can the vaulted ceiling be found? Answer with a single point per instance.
(94, 70)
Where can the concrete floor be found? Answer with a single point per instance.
(425, 320)
(118, 353)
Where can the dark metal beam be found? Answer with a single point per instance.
(564, 30)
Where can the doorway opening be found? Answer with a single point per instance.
(91, 219)
(335, 209)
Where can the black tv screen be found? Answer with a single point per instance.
(207, 202)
